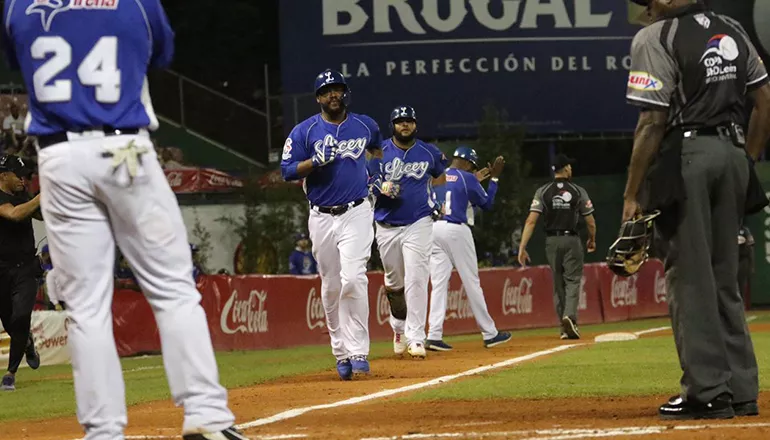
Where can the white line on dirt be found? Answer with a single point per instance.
(571, 434)
(651, 330)
(153, 367)
(387, 393)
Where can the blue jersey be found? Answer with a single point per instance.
(346, 178)
(302, 263)
(461, 193)
(84, 62)
(413, 170)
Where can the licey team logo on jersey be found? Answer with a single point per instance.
(49, 9)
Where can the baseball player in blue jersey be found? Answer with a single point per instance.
(327, 150)
(453, 246)
(84, 64)
(301, 261)
(404, 226)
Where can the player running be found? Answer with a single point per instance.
(327, 150)
(453, 246)
(404, 226)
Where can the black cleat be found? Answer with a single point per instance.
(744, 409)
(227, 434)
(678, 409)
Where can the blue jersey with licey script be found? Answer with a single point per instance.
(413, 170)
(346, 178)
(84, 62)
(461, 193)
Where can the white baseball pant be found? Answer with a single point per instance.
(88, 206)
(453, 246)
(405, 254)
(341, 247)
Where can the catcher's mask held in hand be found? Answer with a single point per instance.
(629, 252)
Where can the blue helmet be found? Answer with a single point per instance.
(403, 112)
(329, 77)
(468, 154)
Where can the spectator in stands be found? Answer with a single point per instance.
(171, 158)
(13, 128)
(301, 261)
(124, 276)
(198, 269)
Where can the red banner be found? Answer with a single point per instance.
(642, 295)
(193, 180)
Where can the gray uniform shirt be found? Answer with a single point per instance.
(562, 203)
(698, 65)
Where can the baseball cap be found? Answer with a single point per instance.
(14, 164)
(561, 161)
(300, 236)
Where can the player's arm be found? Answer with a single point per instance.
(651, 83)
(162, 34)
(20, 212)
(294, 268)
(296, 161)
(759, 125)
(535, 209)
(478, 196)
(374, 147)
(586, 208)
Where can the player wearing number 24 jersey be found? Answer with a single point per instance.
(84, 63)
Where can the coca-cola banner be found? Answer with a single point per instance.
(192, 180)
(269, 311)
(642, 295)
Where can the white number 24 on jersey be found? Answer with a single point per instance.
(98, 69)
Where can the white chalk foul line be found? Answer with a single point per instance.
(387, 393)
(651, 330)
(153, 367)
(570, 434)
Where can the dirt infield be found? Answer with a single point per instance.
(517, 419)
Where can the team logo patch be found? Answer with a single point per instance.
(644, 81)
(589, 204)
(451, 178)
(49, 9)
(535, 203)
(286, 150)
(723, 45)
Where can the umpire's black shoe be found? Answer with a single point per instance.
(744, 409)
(570, 328)
(677, 409)
(228, 434)
(33, 358)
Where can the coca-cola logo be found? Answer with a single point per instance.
(383, 306)
(517, 299)
(458, 306)
(315, 310)
(624, 292)
(174, 179)
(245, 316)
(660, 287)
(583, 296)
(224, 180)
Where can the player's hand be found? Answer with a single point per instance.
(497, 167)
(325, 155)
(630, 209)
(482, 174)
(523, 257)
(591, 245)
(390, 189)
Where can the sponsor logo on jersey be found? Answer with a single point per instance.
(720, 50)
(351, 148)
(589, 204)
(517, 299)
(703, 20)
(562, 200)
(244, 316)
(49, 9)
(451, 178)
(644, 81)
(535, 203)
(314, 310)
(624, 292)
(286, 150)
(397, 169)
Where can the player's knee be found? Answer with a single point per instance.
(397, 302)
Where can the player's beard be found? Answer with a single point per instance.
(404, 140)
(336, 112)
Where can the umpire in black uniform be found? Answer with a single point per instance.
(562, 203)
(19, 266)
(690, 72)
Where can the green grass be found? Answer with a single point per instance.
(48, 392)
(647, 366)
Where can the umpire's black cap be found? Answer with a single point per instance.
(14, 164)
(641, 2)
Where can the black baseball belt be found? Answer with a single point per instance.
(337, 210)
(730, 132)
(57, 138)
(560, 233)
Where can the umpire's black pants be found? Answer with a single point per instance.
(18, 288)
